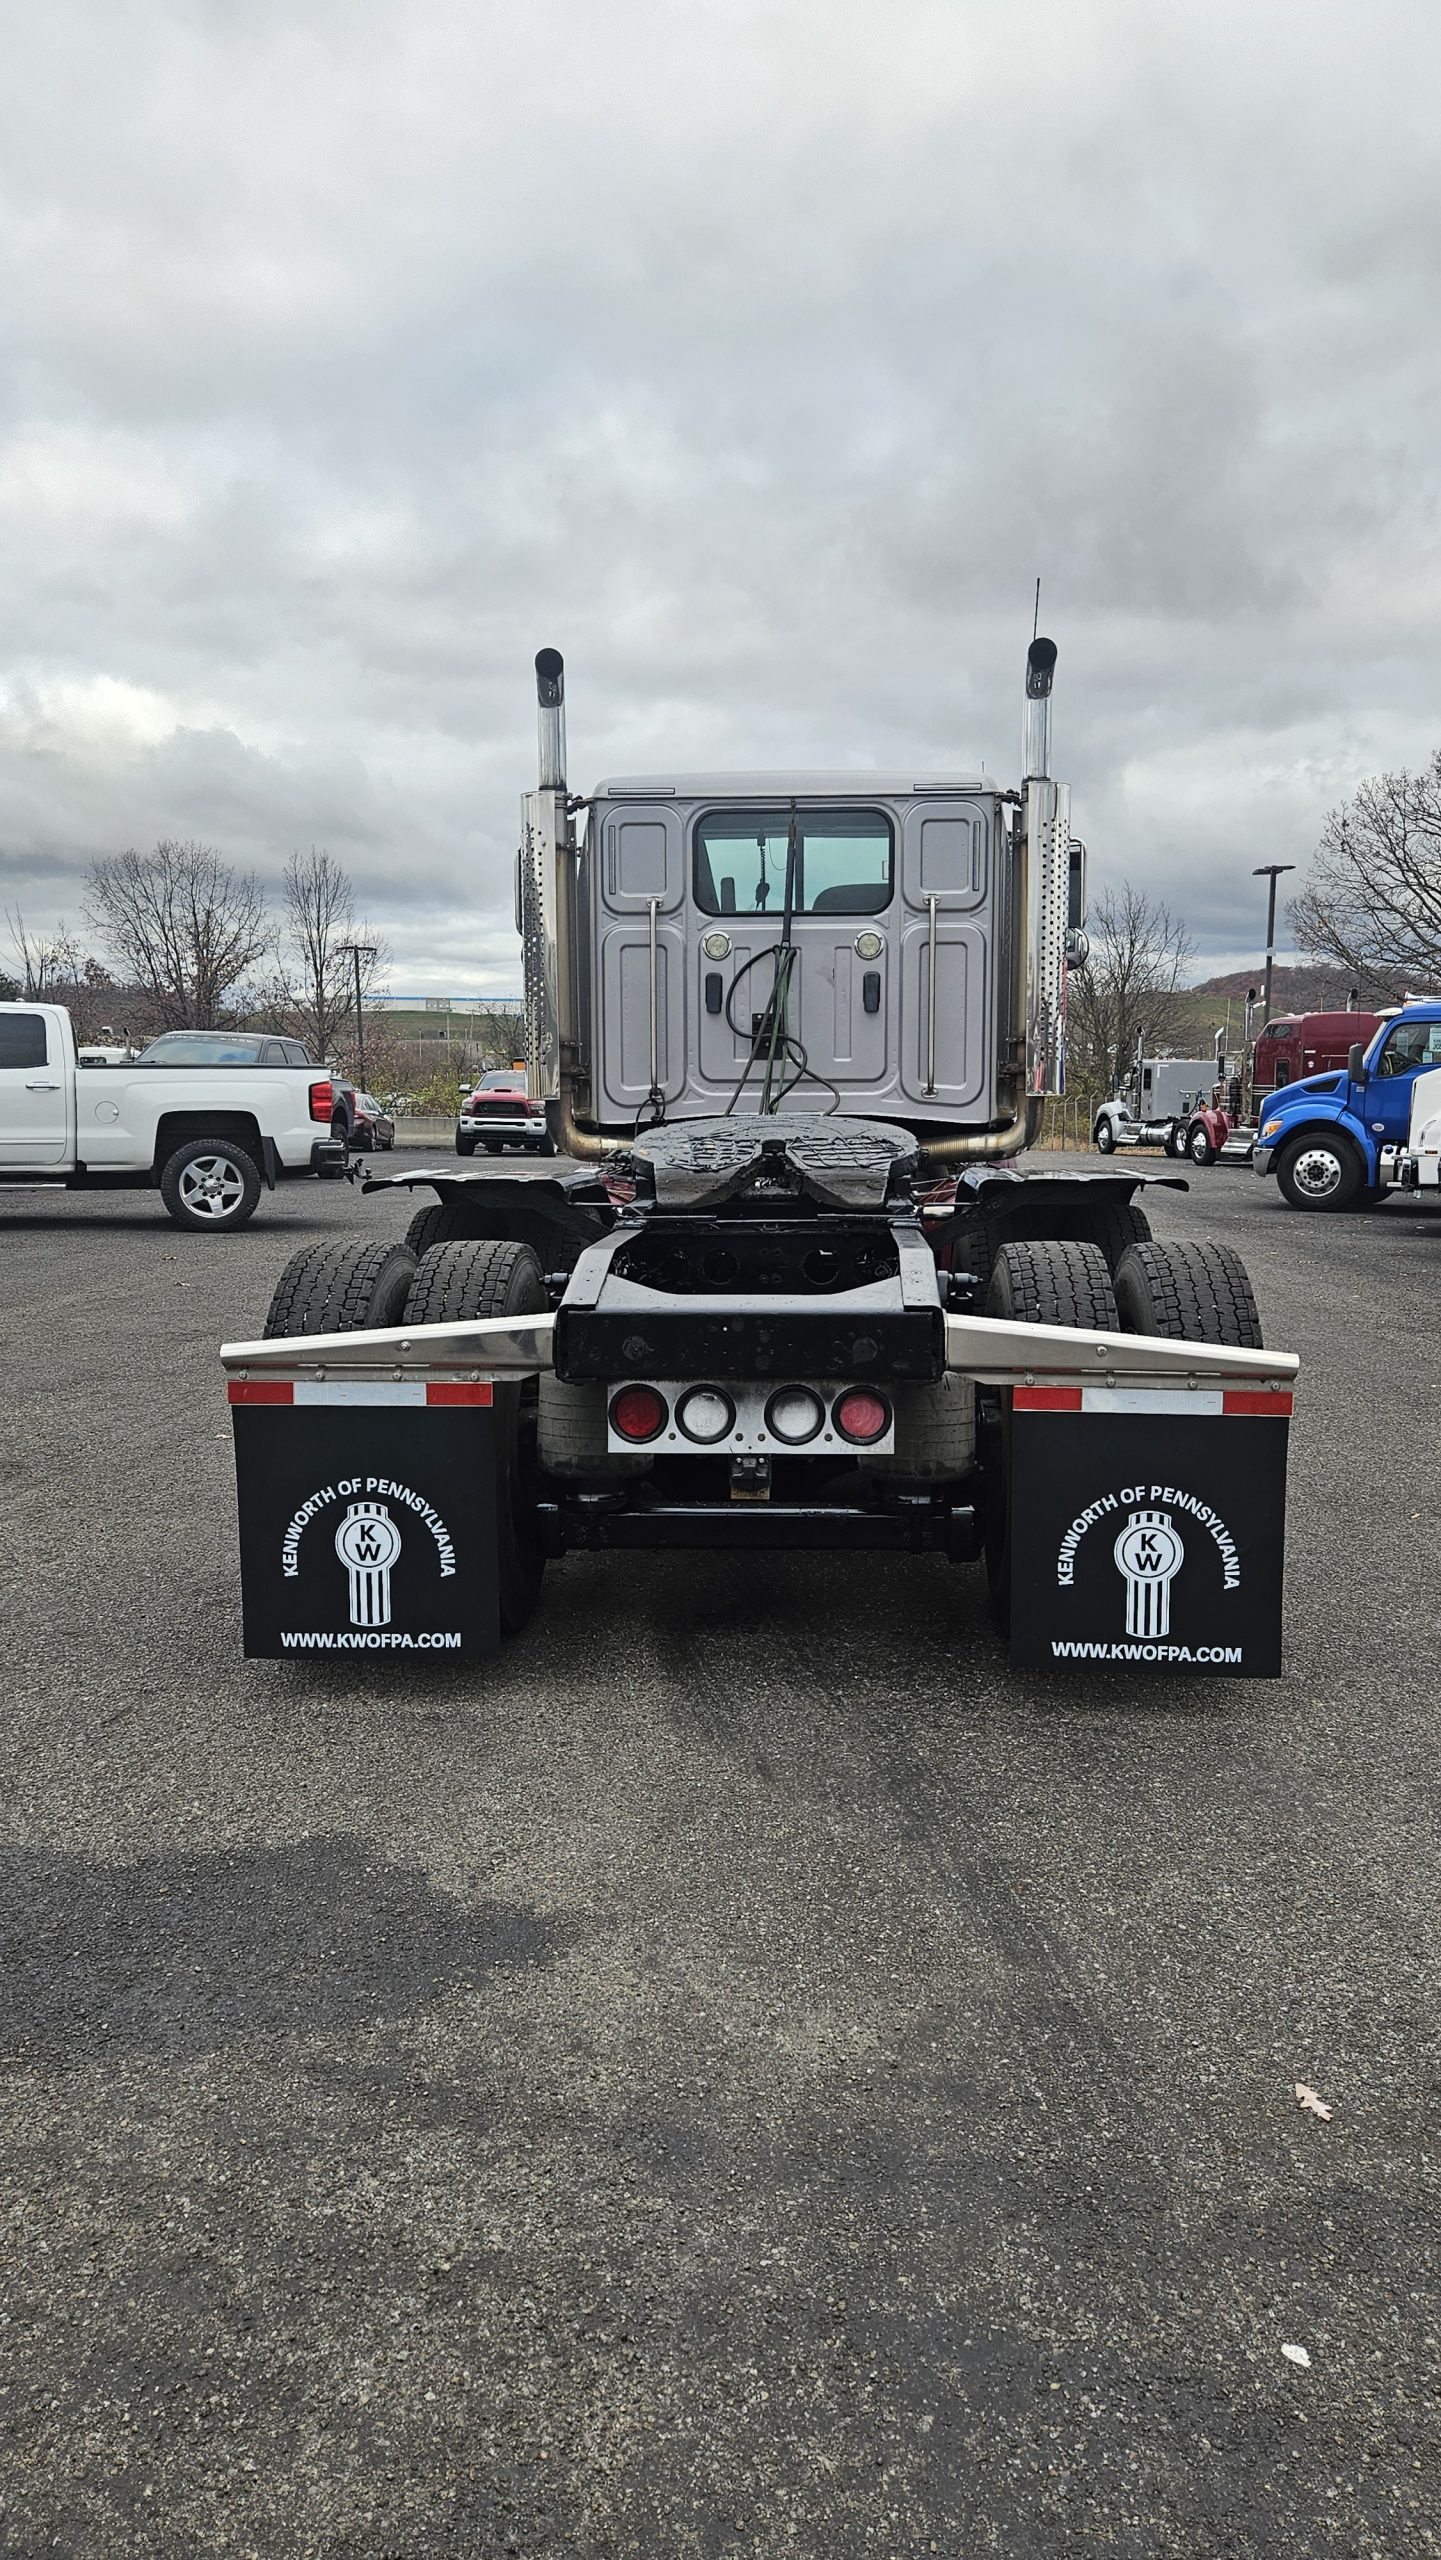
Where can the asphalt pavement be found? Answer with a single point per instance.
(746, 2072)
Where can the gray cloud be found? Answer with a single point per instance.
(759, 353)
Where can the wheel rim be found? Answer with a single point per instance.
(1200, 1147)
(1317, 1173)
(212, 1187)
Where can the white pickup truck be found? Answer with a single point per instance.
(204, 1117)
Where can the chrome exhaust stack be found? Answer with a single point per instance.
(550, 924)
(550, 702)
(1046, 882)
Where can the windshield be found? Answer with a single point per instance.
(502, 1080)
(843, 862)
(1411, 1044)
(201, 1049)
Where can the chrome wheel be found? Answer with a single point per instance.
(212, 1187)
(1318, 1173)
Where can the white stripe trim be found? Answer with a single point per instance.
(359, 1391)
(1152, 1400)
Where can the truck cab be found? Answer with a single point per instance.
(1326, 1136)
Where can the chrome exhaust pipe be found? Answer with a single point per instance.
(550, 699)
(986, 1145)
(1036, 726)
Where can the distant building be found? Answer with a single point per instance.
(380, 1000)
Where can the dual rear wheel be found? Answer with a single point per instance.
(1181, 1292)
(353, 1286)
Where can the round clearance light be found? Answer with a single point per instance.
(706, 1414)
(717, 946)
(638, 1413)
(869, 946)
(794, 1415)
(861, 1415)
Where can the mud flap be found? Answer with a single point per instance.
(367, 1518)
(1148, 1528)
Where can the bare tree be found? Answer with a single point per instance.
(49, 963)
(317, 957)
(184, 921)
(1372, 901)
(1130, 991)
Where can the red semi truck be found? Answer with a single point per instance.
(1293, 1046)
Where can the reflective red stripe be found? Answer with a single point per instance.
(261, 1391)
(1276, 1401)
(461, 1391)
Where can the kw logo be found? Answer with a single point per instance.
(367, 1543)
(1149, 1555)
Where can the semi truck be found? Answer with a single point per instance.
(1158, 1106)
(1332, 1140)
(784, 1283)
(1286, 1052)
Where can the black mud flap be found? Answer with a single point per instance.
(367, 1519)
(1147, 1529)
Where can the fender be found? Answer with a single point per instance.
(1283, 1120)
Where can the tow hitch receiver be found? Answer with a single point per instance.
(367, 1515)
(1146, 1526)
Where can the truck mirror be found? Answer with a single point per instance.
(1356, 1060)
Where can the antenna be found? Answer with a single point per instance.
(1036, 616)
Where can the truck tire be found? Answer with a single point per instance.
(1114, 1225)
(444, 1222)
(1175, 1142)
(1319, 1171)
(1198, 1145)
(1103, 1138)
(210, 1184)
(454, 1283)
(354, 1285)
(465, 1146)
(1053, 1283)
(1031, 1284)
(1189, 1293)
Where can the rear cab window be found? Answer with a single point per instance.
(840, 861)
(22, 1040)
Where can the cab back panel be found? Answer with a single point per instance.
(862, 1020)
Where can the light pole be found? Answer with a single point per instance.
(1270, 871)
(366, 951)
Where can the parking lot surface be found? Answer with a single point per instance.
(743, 2073)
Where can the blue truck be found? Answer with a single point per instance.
(1324, 1138)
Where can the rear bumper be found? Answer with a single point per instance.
(327, 1159)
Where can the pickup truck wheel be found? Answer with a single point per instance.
(1188, 1293)
(465, 1146)
(454, 1283)
(1199, 1147)
(1103, 1137)
(210, 1184)
(1032, 1284)
(351, 1286)
(1317, 1171)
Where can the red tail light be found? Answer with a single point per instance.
(322, 1100)
(861, 1415)
(638, 1413)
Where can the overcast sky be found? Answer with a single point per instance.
(759, 354)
